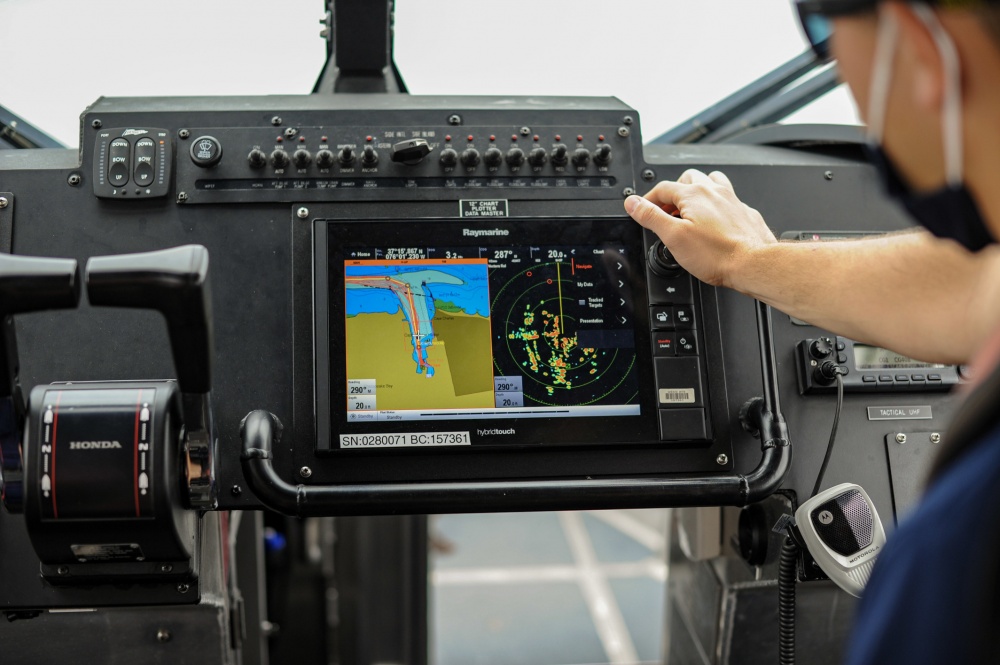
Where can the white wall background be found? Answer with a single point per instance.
(667, 58)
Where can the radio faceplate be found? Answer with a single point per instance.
(870, 369)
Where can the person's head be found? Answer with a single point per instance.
(903, 47)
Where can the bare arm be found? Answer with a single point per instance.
(907, 291)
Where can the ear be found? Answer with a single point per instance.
(920, 62)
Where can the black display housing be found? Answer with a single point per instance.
(335, 242)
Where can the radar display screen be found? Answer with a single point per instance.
(481, 328)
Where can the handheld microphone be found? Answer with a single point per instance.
(844, 534)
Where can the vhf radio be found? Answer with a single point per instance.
(867, 368)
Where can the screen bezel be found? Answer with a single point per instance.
(332, 239)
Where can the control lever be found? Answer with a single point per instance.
(27, 284)
(175, 283)
(115, 515)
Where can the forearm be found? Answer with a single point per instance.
(909, 292)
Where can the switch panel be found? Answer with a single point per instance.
(132, 163)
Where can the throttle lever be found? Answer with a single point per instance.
(173, 282)
(27, 284)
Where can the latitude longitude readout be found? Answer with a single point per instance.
(560, 322)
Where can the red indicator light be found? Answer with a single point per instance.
(579, 137)
(513, 137)
(536, 137)
(368, 138)
(470, 137)
(601, 137)
(448, 137)
(558, 138)
(492, 137)
(323, 139)
(279, 140)
(302, 139)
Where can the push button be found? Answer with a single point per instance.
(683, 316)
(661, 317)
(868, 378)
(663, 344)
(687, 344)
(682, 425)
(884, 378)
(902, 378)
(206, 151)
(145, 154)
(933, 377)
(917, 377)
(118, 162)
(668, 289)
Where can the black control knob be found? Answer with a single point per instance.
(206, 151)
(257, 159)
(279, 159)
(662, 262)
(346, 156)
(324, 159)
(581, 157)
(470, 158)
(537, 157)
(559, 155)
(515, 158)
(410, 152)
(449, 158)
(602, 156)
(369, 157)
(821, 348)
(302, 158)
(493, 158)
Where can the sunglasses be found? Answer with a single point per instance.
(815, 15)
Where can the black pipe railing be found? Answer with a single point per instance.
(261, 432)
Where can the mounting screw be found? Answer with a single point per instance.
(166, 568)
(184, 133)
(236, 490)
(290, 132)
(305, 472)
(722, 459)
(182, 197)
(454, 119)
(183, 588)
(623, 131)
(628, 191)
(900, 438)
(276, 120)
(628, 120)
(648, 175)
(163, 635)
(4, 202)
(828, 175)
(302, 213)
(935, 437)
(62, 570)
(525, 131)
(96, 124)
(813, 363)
(74, 179)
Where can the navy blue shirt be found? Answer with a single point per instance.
(925, 600)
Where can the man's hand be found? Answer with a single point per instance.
(705, 226)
